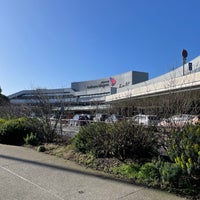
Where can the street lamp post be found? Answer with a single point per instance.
(184, 55)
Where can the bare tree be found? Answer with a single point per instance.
(42, 105)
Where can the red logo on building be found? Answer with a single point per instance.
(112, 81)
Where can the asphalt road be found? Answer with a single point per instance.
(29, 175)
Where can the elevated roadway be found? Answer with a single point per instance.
(173, 81)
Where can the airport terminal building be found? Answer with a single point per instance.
(84, 95)
(101, 93)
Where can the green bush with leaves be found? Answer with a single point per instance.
(2, 121)
(127, 170)
(120, 140)
(184, 149)
(165, 175)
(93, 139)
(149, 174)
(13, 131)
(170, 174)
(172, 178)
(134, 142)
(41, 148)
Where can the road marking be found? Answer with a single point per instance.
(36, 185)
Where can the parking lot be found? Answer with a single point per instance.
(71, 127)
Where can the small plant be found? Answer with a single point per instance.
(31, 139)
(128, 170)
(41, 148)
(170, 174)
(149, 174)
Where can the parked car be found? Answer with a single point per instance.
(53, 118)
(179, 120)
(79, 120)
(115, 118)
(91, 118)
(100, 117)
(147, 120)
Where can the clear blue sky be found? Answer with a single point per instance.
(51, 43)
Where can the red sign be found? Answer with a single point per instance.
(112, 81)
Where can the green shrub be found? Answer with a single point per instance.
(2, 121)
(93, 139)
(149, 174)
(41, 148)
(173, 178)
(121, 140)
(170, 174)
(184, 149)
(13, 131)
(128, 170)
(31, 139)
(134, 142)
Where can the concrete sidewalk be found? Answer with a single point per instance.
(26, 175)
